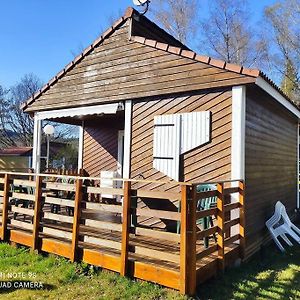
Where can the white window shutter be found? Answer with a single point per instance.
(175, 135)
(195, 130)
(166, 145)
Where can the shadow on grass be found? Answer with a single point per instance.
(268, 275)
(13, 285)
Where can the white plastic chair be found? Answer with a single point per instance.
(280, 225)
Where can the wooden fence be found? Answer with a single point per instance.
(76, 218)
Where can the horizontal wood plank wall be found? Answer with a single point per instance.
(271, 168)
(100, 150)
(206, 163)
(120, 69)
(209, 162)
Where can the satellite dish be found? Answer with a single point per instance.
(142, 3)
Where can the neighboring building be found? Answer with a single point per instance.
(16, 158)
(20, 158)
(150, 108)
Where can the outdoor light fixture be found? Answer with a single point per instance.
(48, 130)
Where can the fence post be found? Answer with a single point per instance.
(76, 222)
(188, 241)
(37, 212)
(5, 207)
(220, 224)
(242, 218)
(125, 227)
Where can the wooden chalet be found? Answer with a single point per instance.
(158, 120)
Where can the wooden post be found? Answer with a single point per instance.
(5, 207)
(188, 241)
(242, 219)
(220, 224)
(125, 227)
(37, 212)
(76, 222)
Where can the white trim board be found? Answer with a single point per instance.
(120, 153)
(80, 146)
(238, 132)
(78, 111)
(36, 150)
(267, 87)
(237, 143)
(127, 139)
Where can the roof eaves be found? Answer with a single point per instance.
(255, 73)
(194, 56)
(128, 14)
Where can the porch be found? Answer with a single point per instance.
(102, 143)
(72, 216)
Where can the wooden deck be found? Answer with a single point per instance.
(60, 218)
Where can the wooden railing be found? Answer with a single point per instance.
(225, 229)
(76, 218)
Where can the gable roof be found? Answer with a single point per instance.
(256, 73)
(128, 14)
(162, 42)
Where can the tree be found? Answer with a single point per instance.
(289, 81)
(17, 126)
(3, 139)
(283, 19)
(178, 17)
(227, 33)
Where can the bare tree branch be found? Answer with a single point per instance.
(178, 17)
(226, 33)
(283, 21)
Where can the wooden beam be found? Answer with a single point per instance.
(125, 227)
(160, 214)
(192, 242)
(37, 213)
(5, 207)
(206, 213)
(101, 259)
(21, 238)
(77, 213)
(157, 274)
(56, 247)
(220, 224)
(188, 241)
(242, 218)
(183, 240)
(231, 206)
(206, 252)
(207, 194)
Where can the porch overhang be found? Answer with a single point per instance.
(80, 112)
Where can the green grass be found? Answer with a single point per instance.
(269, 276)
(64, 280)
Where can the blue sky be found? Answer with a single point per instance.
(42, 36)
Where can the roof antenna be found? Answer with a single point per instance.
(142, 3)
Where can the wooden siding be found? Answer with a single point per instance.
(208, 162)
(100, 151)
(271, 164)
(120, 69)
